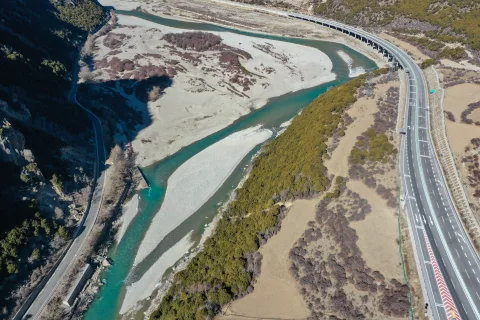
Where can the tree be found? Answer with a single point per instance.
(24, 177)
(35, 254)
(12, 267)
(63, 233)
(45, 226)
(57, 183)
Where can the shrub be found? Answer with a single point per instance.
(452, 53)
(31, 167)
(57, 183)
(57, 67)
(427, 63)
(63, 232)
(35, 254)
(24, 177)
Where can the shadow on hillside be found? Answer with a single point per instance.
(121, 104)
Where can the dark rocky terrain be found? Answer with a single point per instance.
(46, 146)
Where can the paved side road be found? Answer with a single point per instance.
(33, 309)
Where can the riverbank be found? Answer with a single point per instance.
(146, 215)
(212, 85)
(242, 19)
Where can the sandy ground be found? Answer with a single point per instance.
(195, 181)
(249, 20)
(377, 234)
(456, 100)
(276, 294)
(202, 98)
(459, 65)
(129, 212)
(144, 287)
(362, 111)
(414, 52)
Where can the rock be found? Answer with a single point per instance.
(28, 155)
(106, 263)
(12, 143)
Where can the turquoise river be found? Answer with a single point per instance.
(277, 111)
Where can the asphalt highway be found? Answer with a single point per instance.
(40, 298)
(453, 287)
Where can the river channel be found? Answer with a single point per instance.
(277, 111)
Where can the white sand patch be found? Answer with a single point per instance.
(200, 100)
(129, 211)
(352, 71)
(195, 181)
(459, 65)
(126, 5)
(144, 287)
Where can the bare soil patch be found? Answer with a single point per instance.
(378, 233)
(277, 294)
(459, 96)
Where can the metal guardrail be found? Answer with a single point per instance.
(438, 130)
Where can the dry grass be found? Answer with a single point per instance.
(277, 294)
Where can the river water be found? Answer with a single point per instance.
(277, 111)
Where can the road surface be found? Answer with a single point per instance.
(34, 306)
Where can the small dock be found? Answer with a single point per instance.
(143, 177)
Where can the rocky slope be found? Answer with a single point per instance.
(45, 149)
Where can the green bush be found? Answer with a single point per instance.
(25, 178)
(339, 180)
(427, 63)
(452, 53)
(57, 67)
(63, 232)
(31, 167)
(35, 254)
(86, 15)
(378, 148)
(57, 183)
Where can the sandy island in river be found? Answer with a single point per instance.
(189, 187)
(144, 287)
(195, 181)
(208, 91)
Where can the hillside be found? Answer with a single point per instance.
(288, 168)
(444, 29)
(45, 154)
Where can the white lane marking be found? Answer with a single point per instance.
(460, 236)
(457, 253)
(449, 235)
(466, 272)
(424, 221)
(469, 262)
